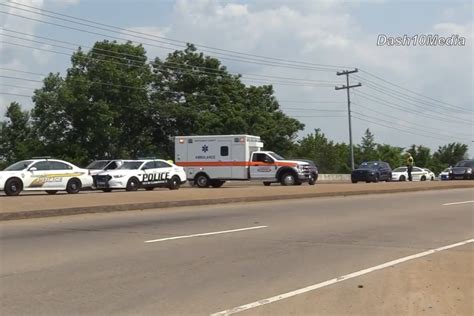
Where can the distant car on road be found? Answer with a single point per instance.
(372, 171)
(45, 174)
(431, 175)
(444, 175)
(463, 170)
(145, 173)
(417, 174)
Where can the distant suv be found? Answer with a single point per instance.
(463, 170)
(372, 171)
(38, 174)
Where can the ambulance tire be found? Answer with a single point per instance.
(13, 187)
(174, 183)
(312, 180)
(217, 183)
(132, 184)
(73, 186)
(288, 178)
(202, 180)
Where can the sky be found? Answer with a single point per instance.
(409, 95)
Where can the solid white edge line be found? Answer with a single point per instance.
(207, 234)
(456, 203)
(337, 280)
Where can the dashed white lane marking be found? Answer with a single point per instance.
(207, 234)
(456, 203)
(336, 280)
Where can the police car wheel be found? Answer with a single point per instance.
(174, 183)
(423, 178)
(402, 178)
(73, 186)
(52, 192)
(13, 187)
(288, 179)
(132, 184)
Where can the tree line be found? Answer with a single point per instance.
(115, 102)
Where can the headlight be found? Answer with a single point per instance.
(469, 170)
(119, 176)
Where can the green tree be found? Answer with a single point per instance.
(194, 94)
(101, 108)
(391, 154)
(16, 141)
(368, 146)
(421, 155)
(449, 155)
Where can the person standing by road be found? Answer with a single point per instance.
(410, 163)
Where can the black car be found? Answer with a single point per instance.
(372, 171)
(463, 170)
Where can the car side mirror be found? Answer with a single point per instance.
(32, 169)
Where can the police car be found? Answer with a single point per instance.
(43, 173)
(144, 173)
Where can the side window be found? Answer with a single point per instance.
(149, 165)
(162, 164)
(42, 165)
(112, 166)
(260, 157)
(56, 165)
(224, 151)
(417, 170)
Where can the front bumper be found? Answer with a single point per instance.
(461, 176)
(107, 182)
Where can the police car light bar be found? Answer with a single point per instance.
(42, 157)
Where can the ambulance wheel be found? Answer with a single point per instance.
(13, 187)
(267, 184)
(132, 184)
(73, 186)
(107, 190)
(288, 179)
(217, 183)
(174, 183)
(312, 180)
(52, 192)
(202, 180)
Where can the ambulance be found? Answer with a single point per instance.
(214, 159)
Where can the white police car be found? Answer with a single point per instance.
(144, 173)
(46, 174)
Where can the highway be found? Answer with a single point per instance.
(207, 259)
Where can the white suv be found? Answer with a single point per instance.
(145, 173)
(46, 174)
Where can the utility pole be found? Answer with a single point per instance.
(347, 87)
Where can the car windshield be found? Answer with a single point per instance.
(400, 169)
(446, 170)
(276, 156)
(370, 165)
(130, 165)
(20, 165)
(98, 164)
(466, 163)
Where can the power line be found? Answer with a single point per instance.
(398, 118)
(164, 38)
(398, 129)
(416, 93)
(408, 97)
(167, 63)
(405, 109)
(256, 62)
(16, 94)
(284, 83)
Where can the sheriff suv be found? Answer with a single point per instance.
(46, 174)
(145, 173)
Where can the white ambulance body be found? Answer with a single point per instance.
(212, 160)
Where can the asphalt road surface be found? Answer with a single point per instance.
(203, 260)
